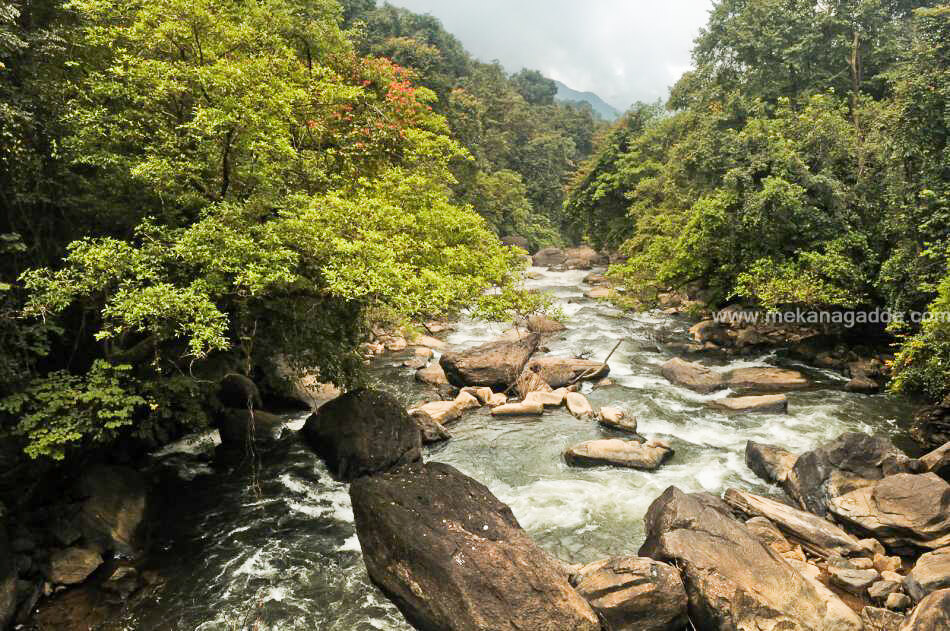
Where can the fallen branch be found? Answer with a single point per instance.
(588, 372)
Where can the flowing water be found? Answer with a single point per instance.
(277, 548)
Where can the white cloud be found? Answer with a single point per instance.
(624, 50)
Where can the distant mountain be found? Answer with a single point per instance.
(603, 109)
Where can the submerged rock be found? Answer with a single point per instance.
(634, 594)
(363, 432)
(496, 364)
(733, 580)
(692, 375)
(450, 555)
(621, 453)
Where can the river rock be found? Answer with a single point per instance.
(363, 432)
(596, 278)
(432, 375)
(496, 364)
(528, 407)
(862, 385)
(598, 293)
(113, 515)
(819, 536)
(582, 257)
(930, 573)
(450, 555)
(765, 378)
(578, 405)
(530, 380)
(547, 257)
(734, 581)
(772, 464)
(902, 511)
(931, 426)
(851, 461)
(851, 580)
(692, 375)
(72, 565)
(634, 594)
(543, 324)
(441, 412)
(547, 399)
(240, 427)
(466, 401)
(622, 453)
(613, 418)
(710, 331)
(769, 534)
(483, 394)
(881, 589)
(497, 398)
(932, 614)
(429, 431)
(877, 619)
(766, 404)
(898, 602)
(562, 371)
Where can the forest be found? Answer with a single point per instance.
(206, 203)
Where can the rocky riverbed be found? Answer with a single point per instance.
(275, 544)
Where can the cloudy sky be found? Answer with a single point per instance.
(624, 50)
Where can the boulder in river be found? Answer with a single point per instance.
(543, 324)
(765, 378)
(903, 511)
(851, 461)
(634, 594)
(546, 257)
(496, 364)
(692, 375)
(931, 614)
(429, 430)
(562, 371)
(765, 404)
(578, 405)
(551, 399)
(622, 453)
(772, 464)
(528, 407)
(363, 432)
(734, 581)
(432, 375)
(441, 412)
(819, 536)
(450, 555)
(930, 573)
(238, 427)
(113, 515)
(614, 418)
(598, 293)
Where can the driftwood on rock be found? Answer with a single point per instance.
(818, 536)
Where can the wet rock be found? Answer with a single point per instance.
(903, 511)
(733, 580)
(772, 464)
(765, 404)
(877, 619)
(430, 431)
(547, 257)
(634, 594)
(561, 371)
(617, 419)
(862, 385)
(432, 375)
(851, 461)
(441, 412)
(123, 581)
(363, 432)
(930, 573)
(238, 428)
(578, 405)
(521, 408)
(765, 379)
(496, 364)
(819, 536)
(692, 375)
(898, 602)
(72, 565)
(854, 581)
(113, 512)
(450, 555)
(622, 453)
(931, 614)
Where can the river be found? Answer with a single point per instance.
(276, 548)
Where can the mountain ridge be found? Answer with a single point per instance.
(569, 95)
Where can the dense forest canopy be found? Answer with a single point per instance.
(193, 189)
(802, 162)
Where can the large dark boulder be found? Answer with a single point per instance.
(733, 580)
(452, 557)
(634, 594)
(932, 614)
(495, 364)
(114, 511)
(851, 461)
(363, 432)
(241, 427)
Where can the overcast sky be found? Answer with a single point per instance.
(624, 50)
